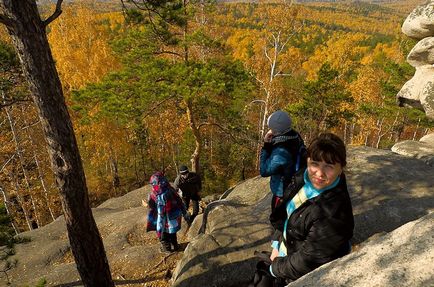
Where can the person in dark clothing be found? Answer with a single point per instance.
(281, 155)
(190, 185)
(315, 219)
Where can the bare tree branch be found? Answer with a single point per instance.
(10, 102)
(6, 20)
(161, 52)
(157, 105)
(56, 13)
(31, 125)
(220, 127)
(6, 102)
(7, 162)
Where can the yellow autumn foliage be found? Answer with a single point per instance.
(79, 41)
(341, 51)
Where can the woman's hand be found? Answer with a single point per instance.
(268, 136)
(274, 254)
(144, 203)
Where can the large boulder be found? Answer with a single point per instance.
(418, 92)
(420, 23)
(422, 149)
(423, 53)
(387, 191)
(236, 227)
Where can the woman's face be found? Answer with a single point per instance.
(322, 174)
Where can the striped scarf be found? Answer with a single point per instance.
(283, 138)
(305, 193)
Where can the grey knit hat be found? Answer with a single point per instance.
(279, 122)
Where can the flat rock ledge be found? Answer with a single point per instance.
(422, 149)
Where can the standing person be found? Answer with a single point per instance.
(165, 211)
(190, 185)
(281, 155)
(319, 221)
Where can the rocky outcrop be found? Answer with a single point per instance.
(387, 191)
(132, 253)
(422, 149)
(419, 24)
(418, 92)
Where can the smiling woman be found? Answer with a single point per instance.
(315, 223)
(326, 159)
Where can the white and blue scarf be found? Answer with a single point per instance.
(308, 191)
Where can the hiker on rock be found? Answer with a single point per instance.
(315, 217)
(190, 185)
(165, 211)
(281, 155)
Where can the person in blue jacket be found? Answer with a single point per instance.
(280, 155)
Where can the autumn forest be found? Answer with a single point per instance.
(151, 85)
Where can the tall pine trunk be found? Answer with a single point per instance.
(30, 40)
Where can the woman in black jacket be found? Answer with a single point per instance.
(315, 221)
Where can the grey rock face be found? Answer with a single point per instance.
(423, 53)
(387, 191)
(429, 138)
(418, 92)
(423, 149)
(420, 23)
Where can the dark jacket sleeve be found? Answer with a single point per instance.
(323, 242)
(327, 239)
(273, 161)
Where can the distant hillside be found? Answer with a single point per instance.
(99, 5)
(404, 6)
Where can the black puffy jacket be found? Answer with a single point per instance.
(317, 232)
(190, 186)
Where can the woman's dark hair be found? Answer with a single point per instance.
(328, 147)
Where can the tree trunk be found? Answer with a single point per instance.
(6, 201)
(30, 40)
(116, 181)
(195, 157)
(415, 131)
(21, 200)
(380, 129)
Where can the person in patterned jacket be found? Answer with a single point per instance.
(165, 212)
